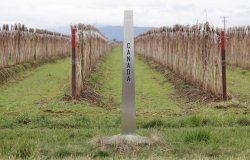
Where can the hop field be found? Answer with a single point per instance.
(38, 123)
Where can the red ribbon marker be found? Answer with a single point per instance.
(73, 37)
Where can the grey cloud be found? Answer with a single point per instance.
(184, 7)
(47, 13)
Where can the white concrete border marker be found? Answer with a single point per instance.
(128, 135)
(128, 80)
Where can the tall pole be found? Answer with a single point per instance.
(73, 76)
(224, 23)
(223, 61)
(128, 81)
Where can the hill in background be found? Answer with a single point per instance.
(116, 32)
(111, 32)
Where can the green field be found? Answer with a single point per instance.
(36, 123)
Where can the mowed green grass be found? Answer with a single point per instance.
(39, 85)
(238, 83)
(35, 123)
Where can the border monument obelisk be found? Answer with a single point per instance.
(128, 79)
(128, 135)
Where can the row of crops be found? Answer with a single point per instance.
(194, 53)
(19, 44)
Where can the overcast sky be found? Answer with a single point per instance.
(153, 13)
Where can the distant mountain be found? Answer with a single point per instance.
(111, 32)
(62, 29)
(116, 32)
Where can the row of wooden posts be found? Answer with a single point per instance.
(196, 53)
(193, 52)
(88, 45)
(18, 45)
(238, 46)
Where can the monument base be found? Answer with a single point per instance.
(125, 139)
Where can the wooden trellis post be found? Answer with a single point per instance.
(223, 63)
